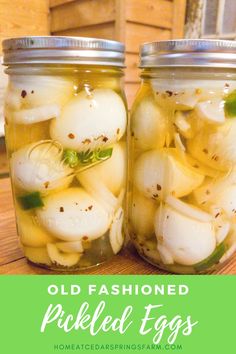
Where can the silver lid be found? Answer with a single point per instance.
(189, 52)
(66, 50)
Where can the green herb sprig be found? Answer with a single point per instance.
(85, 159)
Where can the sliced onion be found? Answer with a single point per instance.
(116, 235)
(188, 210)
(60, 258)
(70, 247)
(211, 111)
(35, 115)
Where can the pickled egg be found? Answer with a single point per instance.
(111, 172)
(215, 147)
(73, 215)
(38, 167)
(142, 214)
(185, 239)
(90, 121)
(149, 125)
(158, 173)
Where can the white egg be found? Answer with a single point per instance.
(111, 172)
(158, 173)
(64, 259)
(142, 214)
(37, 255)
(215, 146)
(149, 125)
(90, 121)
(38, 167)
(29, 91)
(220, 195)
(188, 240)
(73, 215)
(31, 233)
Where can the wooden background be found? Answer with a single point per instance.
(24, 17)
(130, 21)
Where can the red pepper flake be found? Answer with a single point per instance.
(32, 91)
(118, 131)
(23, 93)
(105, 139)
(205, 151)
(132, 133)
(86, 141)
(215, 158)
(216, 216)
(169, 93)
(61, 210)
(85, 238)
(71, 136)
(46, 184)
(90, 207)
(158, 187)
(226, 84)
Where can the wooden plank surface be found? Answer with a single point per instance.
(179, 10)
(54, 3)
(132, 71)
(136, 34)
(12, 260)
(104, 30)
(22, 17)
(150, 12)
(78, 14)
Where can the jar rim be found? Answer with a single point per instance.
(64, 50)
(189, 52)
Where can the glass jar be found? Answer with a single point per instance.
(182, 157)
(65, 126)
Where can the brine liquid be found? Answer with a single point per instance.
(182, 172)
(65, 133)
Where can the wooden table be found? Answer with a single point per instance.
(12, 260)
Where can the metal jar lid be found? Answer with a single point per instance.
(189, 52)
(64, 50)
